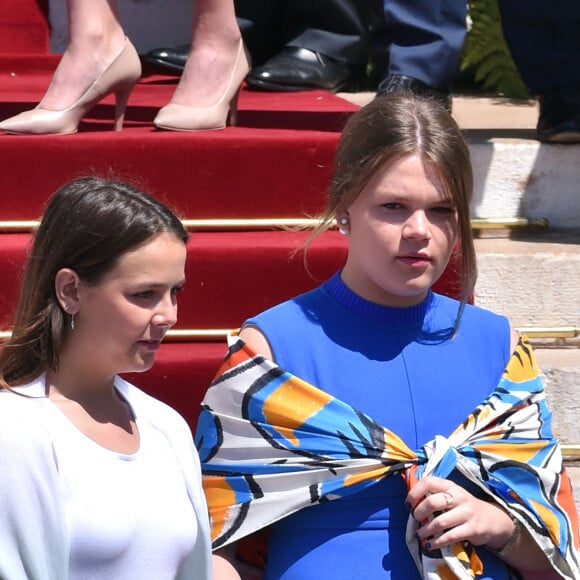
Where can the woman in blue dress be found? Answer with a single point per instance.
(379, 340)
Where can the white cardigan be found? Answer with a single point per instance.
(34, 544)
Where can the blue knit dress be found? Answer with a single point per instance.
(405, 368)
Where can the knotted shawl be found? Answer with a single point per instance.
(272, 444)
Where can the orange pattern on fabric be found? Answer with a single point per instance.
(471, 421)
(291, 394)
(469, 558)
(549, 520)
(522, 452)
(522, 365)
(397, 449)
(445, 573)
(221, 497)
(376, 473)
(566, 500)
(514, 412)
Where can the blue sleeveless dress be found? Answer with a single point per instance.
(405, 368)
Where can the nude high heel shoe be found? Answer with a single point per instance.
(176, 117)
(119, 77)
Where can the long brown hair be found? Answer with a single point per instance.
(393, 126)
(87, 224)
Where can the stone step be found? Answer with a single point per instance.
(573, 469)
(514, 174)
(532, 279)
(561, 374)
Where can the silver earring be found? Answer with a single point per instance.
(343, 221)
(72, 316)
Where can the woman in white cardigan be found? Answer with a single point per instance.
(98, 479)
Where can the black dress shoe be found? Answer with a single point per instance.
(299, 69)
(559, 120)
(170, 59)
(397, 83)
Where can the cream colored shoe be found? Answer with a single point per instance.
(176, 117)
(119, 77)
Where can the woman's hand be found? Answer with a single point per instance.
(447, 514)
(456, 516)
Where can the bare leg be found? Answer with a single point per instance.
(95, 39)
(214, 46)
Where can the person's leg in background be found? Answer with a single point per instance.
(95, 38)
(97, 52)
(216, 66)
(424, 40)
(100, 60)
(260, 24)
(214, 46)
(544, 40)
(263, 27)
(327, 43)
(296, 44)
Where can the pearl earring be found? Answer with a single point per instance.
(343, 221)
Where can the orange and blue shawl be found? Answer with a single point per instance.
(272, 444)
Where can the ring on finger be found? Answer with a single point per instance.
(448, 495)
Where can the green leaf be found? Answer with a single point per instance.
(486, 51)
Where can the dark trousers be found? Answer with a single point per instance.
(337, 28)
(424, 39)
(418, 38)
(544, 39)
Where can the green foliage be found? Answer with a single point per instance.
(487, 54)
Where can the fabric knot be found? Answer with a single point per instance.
(440, 456)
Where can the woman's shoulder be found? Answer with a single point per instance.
(471, 312)
(21, 401)
(23, 421)
(486, 319)
(476, 323)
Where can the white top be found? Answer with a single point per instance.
(71, 509)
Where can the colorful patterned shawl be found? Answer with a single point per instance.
(271, 444)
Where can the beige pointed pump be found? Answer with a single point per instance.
(175, 117)
(119, 77)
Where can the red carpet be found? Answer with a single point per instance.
(230, 276)
(276, 163)
(24, 26)
(265, 169)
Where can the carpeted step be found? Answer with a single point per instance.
(24, 26)
(258, 169)
(230, 276)
(25, 78)
(238, 173)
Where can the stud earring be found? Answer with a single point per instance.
(343, 221)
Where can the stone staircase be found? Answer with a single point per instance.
(529, 273)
